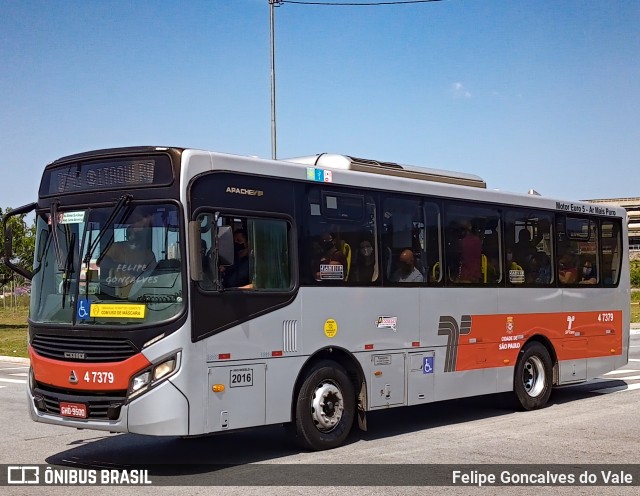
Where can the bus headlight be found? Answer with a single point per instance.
(140, 381)
(164, 369)
(152, 376)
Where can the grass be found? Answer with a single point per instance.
(13, 326)
(13, 330)
(635, 311)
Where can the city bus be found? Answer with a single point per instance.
(180, 292)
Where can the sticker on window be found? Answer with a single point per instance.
(516, 276)
(331, 272)
(76, 217)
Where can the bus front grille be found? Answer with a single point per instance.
(82, 348)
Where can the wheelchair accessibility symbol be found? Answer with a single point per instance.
(84, 309)
(427, 365)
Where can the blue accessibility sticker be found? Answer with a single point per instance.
(84, 309)
(427, 365)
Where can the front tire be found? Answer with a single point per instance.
(533, 377)
(325, 407)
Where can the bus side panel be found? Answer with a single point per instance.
(360, 319)
(270, 348)
(445, 321)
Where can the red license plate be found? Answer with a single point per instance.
(77, 410)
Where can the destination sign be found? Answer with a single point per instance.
(107, 175)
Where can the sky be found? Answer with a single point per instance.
(527, 94)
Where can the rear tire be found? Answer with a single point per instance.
(325, 407)
(533, 380)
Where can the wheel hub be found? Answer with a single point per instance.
(533, 376)
(327, 406)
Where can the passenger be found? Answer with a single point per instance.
(471, 256)
(333, 263)
(407, 271)
(588, 273)
(365, 263)
(525, 248)
(544, 268)
(567, 270)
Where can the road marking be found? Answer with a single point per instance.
(20, 374)
(13, 381)
(622, 371)
(617, 389)
(630, 378)
(634, 359)
(13, 368)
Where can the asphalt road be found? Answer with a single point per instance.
(592, 423)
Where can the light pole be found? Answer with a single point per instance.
(272, 5)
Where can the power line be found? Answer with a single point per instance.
(354, 4)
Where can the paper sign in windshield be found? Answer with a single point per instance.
(118, 311)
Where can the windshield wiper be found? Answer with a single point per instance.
(122, 203)
(68, 268)
(60, 262)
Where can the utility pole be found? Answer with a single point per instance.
(272, 5)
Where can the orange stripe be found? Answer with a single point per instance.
(111, 376)
(496, 340)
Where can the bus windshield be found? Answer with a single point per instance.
(118, 265)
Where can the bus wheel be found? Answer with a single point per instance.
(325, 407)
(533, 377)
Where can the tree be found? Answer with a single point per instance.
(24, 240)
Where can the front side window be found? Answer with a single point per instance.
(261, 254)
(339, 243)
(112, 265)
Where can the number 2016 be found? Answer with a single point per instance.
(244, 378)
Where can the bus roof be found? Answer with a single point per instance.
(345, 162)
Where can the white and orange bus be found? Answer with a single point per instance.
(180, 292)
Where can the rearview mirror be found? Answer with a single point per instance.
(224, 240)
(8, 240)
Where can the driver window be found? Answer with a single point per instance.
(261, 258)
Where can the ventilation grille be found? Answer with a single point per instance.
(83, 349)
(290, 336)
(99, 407)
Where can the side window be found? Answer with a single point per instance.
(410, 241)
(611, 246)
(529, 250)
(261, 258)
(472, 244)
(339, 241)
(577, 251)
